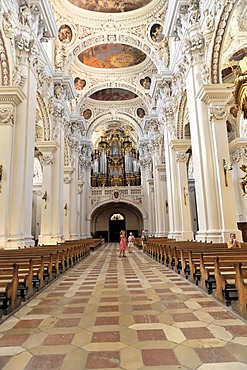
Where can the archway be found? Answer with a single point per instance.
(116, 224)
(103, 226)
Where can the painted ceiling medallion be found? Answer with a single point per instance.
(112, 56)
(113, 94)
(110, 6)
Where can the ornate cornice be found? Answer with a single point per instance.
(215, 93)
(11, 95)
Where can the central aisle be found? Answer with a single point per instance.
(130, 313)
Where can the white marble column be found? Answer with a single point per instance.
(151, 207)
(170, 209)
(48, 149)
(162, 226)
(85, 221)
(144, 178)
(58, 118)
(68, 171)
(159, 199)
(10, 98)
(73, 219)
(80, 190)
(238, 151)
(201, 140)
(216, 96)
(182, 204)
(85, 171)
(20, 206)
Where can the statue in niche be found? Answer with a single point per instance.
(243, 181)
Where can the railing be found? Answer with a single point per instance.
(132, 193)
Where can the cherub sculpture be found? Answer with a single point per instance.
(243, 181)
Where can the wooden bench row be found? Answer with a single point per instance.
(214, 267)
(24, 272)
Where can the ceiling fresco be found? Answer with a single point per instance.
(110, 6)
(114, 94)
(111, 56)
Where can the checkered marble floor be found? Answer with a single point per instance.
(130, 313)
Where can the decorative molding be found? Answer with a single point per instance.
(47, 160)
(6, 116)
(4, 63)
(182, 157)
(218, 40)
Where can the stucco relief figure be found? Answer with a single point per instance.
(17, 76)
(8, 26)
(243, 182)
(194, 12)
(165, 52)
(60, 57)
(25, 15)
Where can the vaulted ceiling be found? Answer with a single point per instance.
(112, 50)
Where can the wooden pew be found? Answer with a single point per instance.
(8, 288)
(197, 261)
(226, 285)
(34, 268)
(241, 285)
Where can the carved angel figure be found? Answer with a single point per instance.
(243, 182)
(7, 25)
(25, 15)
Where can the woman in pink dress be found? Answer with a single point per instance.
(123, 244)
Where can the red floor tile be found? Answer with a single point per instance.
(109, 299)
(183, 317)
(108, 308)
(58, 339)
(106, 336)
(71, 310)
(107, 321)
(197, 333)
(45, 362)
(4, 360)
(237, 330)
(159, 357)
(13, 340)
(150, 335)
(139, 319)
(211, 355)
(27, 324)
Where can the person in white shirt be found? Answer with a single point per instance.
(131, 240)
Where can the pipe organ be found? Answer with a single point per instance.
(115, 161)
